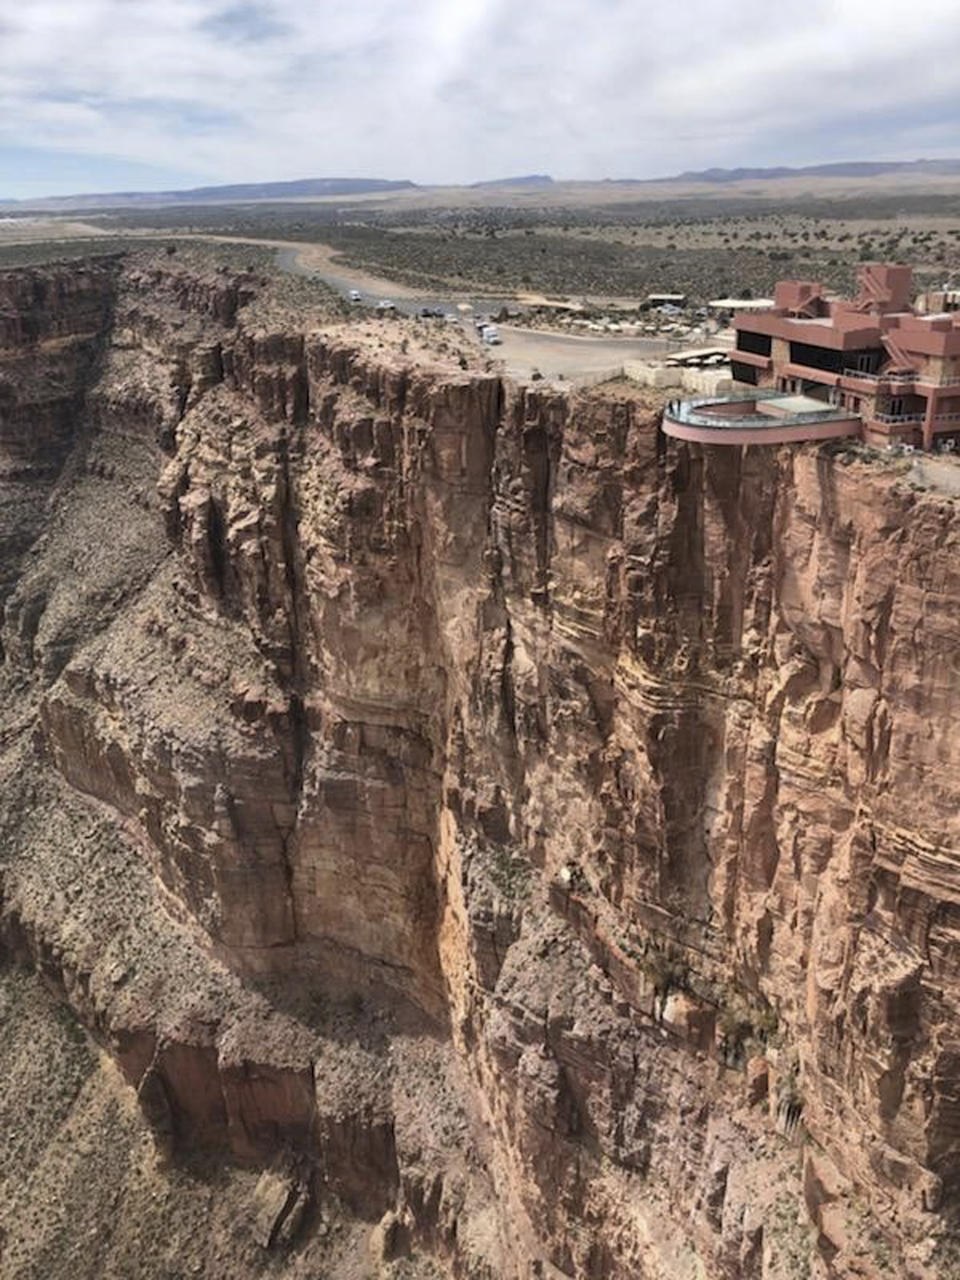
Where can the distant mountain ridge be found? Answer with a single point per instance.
(236, 193)
(838, 169)
(302, 187)
(319, 188)
(527, 180)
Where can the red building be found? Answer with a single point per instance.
(872, 366)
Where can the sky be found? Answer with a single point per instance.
(108, 95)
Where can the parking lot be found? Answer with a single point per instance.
(526, 351)
(522, 351)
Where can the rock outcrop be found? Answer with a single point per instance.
(530, 842)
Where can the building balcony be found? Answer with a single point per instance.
(765, 363)
(910, 376)
(763, 418)
(901, 380)
(806, 373)
(869, 384)
(907, 428)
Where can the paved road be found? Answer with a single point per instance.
(316, 261)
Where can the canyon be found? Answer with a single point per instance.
(449, 829)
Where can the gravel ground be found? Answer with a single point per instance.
(556, 355)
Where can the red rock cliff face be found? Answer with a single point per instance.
(622, 773)
(52, 327)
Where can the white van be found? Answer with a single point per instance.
(490, 335)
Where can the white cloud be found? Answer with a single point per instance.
(467, 89)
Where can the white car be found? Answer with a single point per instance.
(490, 335)
(355, 295)
(386, 305)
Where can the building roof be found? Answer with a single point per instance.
(741, 304)
(698, 354)
(880, 316)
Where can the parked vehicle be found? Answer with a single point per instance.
(386, 305)
(355, 296)
(452, 318)
(491, 335)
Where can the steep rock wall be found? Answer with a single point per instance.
(628, 765)
(52, 327)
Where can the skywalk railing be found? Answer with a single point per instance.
(691, 413)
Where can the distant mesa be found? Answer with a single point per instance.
(243, 191)
(284, 190)
(840, 169)
(528, 180)
(348, 188)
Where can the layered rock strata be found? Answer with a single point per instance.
(526, 836)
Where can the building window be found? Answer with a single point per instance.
(834, 361)
(743, 372)
(757, 344)
(815, 357)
